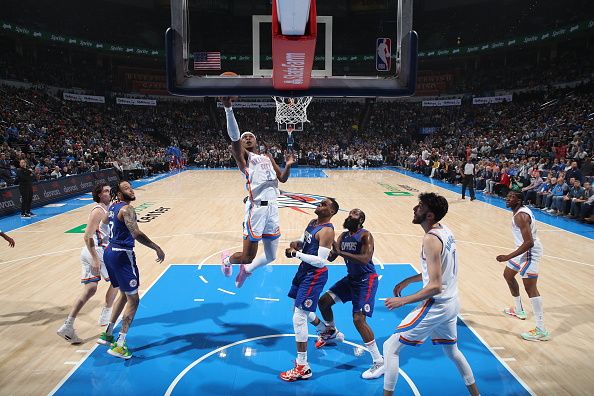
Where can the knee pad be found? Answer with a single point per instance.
(300, 325)
(311, 316)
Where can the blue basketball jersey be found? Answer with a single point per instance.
(310, 243)
(119, 235)
(353, 244)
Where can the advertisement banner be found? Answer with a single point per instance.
(136, 102)
(492, 99)
(556, 33)
(442, 102)
(52, 190)
(250, 105)
(84, 98)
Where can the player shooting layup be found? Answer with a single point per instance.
(261, 208)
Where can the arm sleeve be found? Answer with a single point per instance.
(317, 261)
(232, 127)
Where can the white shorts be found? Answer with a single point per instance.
(86, 263)
(526, 264)
(430, 319)
(261, 221)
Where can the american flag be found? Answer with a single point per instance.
(207, 61)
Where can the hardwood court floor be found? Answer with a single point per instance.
(39, 279)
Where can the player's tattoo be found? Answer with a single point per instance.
(126, 321)
(130, 220)
(132, 224)
(143, 239)
(90, 243)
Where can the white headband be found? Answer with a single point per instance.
(247, 133)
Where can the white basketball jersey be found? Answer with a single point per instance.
(101, 235)
(449, 264)
(517, 233)
(262, 183)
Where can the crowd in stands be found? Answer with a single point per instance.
(540, 143)
(543, 151)
(60, 138)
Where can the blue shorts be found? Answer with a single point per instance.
(122, 269)
(307, 287)
(360, 290)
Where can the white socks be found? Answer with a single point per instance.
(69, 322)
(375, 353)
(301, 358)
(518, 304)
(538, 313)
(121, 339)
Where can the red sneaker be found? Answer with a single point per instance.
(299, 372)
(242, 276)
(227, 269)
(329, 336)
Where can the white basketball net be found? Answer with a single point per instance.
(291, 113)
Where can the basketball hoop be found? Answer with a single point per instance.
(291, 113)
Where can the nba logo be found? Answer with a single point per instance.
(383, 53)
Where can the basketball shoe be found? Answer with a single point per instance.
(105, 339)
(242, 276)
(120, 351)
(299, 372)
(375, 371)
(69, 334)
(329, 336)
(227, 269)
(536, 334)
(517, 314)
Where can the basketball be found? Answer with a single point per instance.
(230, 74)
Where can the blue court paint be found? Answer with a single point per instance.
(308, 172)
(585, 230)
(173, 332)
(14, 221)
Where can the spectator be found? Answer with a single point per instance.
(574, 173)
(578, 201)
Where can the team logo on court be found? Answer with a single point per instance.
(308, 303)
(133, 283)
(299, 201)
(366, 308)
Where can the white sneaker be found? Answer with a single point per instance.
(104, 316)
(375, 371)
(68, 333)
